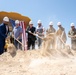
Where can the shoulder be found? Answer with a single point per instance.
(75, 29)
(63, 28)
(54, 29)
(1, 24)
(37, 27)
(70, 31)
(43, 27)
(14, 27)
(34, 27)
(28, 27)
(20, 27)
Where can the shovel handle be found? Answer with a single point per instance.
(35, 35)
(19, 41)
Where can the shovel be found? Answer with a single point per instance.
(35, 35)
(19, 41)
(67, 46)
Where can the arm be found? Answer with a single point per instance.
(69, 35)
(19, 36)
(12, 33)
(27, 29)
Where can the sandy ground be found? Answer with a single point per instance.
(33, 63)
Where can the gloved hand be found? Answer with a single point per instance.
(17, 38)
(12, 35)
(37, 32)
(29, 31)
(8, 37)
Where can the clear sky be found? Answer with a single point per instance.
(45, 10)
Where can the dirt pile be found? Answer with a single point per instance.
(33, 63)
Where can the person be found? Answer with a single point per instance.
(40, 32)
(72, 35)
(4, 30)
(51, 29)
(61, 36)
(31, 38)
(17, 34)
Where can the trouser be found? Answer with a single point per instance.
(59, 44)
(39, 42)
(17, 44)
(73, 44)
(2, 44)
(53, 44)
(31, 42)
(12, 39)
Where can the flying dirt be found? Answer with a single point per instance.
(43, 61)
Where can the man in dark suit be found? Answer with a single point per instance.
(3, 33)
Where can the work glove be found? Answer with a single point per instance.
(12, 35)
(29, 31)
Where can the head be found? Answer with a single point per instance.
(72, 26)
(39, 23)
(51, 24)
(6, 20)
(31, 24)
(59, 24)
(17, 23)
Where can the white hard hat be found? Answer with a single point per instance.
(39, 21)
(51, 23)
(72, 24)
(6, 19)
(16, 21)
(30, 22)
(59, 23)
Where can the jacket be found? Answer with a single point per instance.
(3, 31)
(31, 36)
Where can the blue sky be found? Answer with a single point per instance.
(45, 10)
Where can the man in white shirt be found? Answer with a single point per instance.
(40, 32)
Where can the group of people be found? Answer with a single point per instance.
(36, 33)
(4, 33)
(40, 31)
(31, 30)
(59, 40)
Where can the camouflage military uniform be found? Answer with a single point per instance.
(51, 30)
(61, 34)
(71, 33)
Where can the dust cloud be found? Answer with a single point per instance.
(43, 61)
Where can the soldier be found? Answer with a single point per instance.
(61, 36)
(51, 29)
(40, 32)
(72, 35)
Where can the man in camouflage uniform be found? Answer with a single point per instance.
(51, 29)
(72, 35)
(61, 36)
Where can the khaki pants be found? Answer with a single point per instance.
(53, 44)
(59, 44)
(73, 44)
